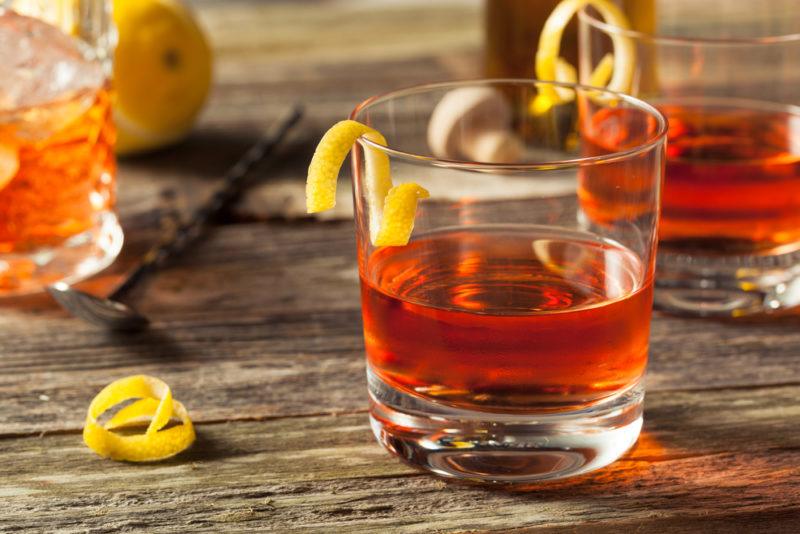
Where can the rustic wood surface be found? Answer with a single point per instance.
(258, 331)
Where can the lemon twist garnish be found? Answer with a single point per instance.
(615, 71)
(155, 404)
(602, 73)
(392, 209)
(398, 215)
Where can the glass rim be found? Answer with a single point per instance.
(651, 142)
(602, 25)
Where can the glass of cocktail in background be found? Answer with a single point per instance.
(57, 171)
(725, 74)
(506, 342)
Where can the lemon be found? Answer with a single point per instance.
(162, 73)
(155, 403)
(615, 71)
(392, 209)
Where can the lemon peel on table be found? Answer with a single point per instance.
(392, 209)
(155, 404)
(614, 72)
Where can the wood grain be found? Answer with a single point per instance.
(704, 456)
(258, 331)
(261, 315)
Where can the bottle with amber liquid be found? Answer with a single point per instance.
(512, 35)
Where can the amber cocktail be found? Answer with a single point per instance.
(479, 317)
(724, 73)
(57, 171)
(734, 177)
(507, 340)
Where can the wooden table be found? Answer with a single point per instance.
(258, 331)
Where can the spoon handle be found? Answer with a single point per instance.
(233, 183)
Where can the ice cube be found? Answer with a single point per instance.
(48, 77)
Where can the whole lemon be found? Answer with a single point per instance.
(162, 73)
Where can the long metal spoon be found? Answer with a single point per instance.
(109, 312)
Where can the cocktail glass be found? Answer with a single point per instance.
(724, 72)
(57, 170)
(507, 341)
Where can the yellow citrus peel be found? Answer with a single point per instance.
(155, 404)
(399, 210)
(392, 209)
(615, 71)
(602, 72)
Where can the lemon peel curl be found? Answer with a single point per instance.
(155, 403)
(392, 208)
(614, 72)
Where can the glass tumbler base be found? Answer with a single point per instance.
(501, 447)
(727, 286)
(77, 258)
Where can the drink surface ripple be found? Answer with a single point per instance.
(507, 317)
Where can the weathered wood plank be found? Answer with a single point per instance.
(261, 315)
(773, 521)
(260, 327)
(728, 455)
